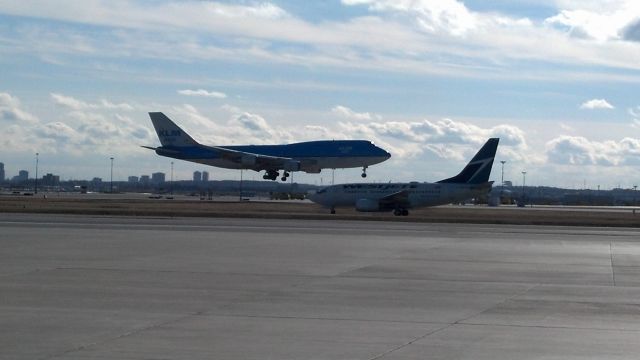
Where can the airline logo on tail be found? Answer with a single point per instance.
(478, 169)
(168, 132)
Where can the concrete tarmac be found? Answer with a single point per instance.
(80, 287)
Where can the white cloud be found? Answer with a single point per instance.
(446, 138)
(448, 16)
(578, 150)
(11, 110)
(598, 20)
(416, 36)
(347, 113)
(203, 93)
(75, 104)
(596, 104)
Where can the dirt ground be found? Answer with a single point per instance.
(123, 206)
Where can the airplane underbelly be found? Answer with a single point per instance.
(343, 162)
(221, 163)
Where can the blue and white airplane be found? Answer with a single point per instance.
(310, 156)
(473, 180)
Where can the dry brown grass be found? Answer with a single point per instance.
(304, 210)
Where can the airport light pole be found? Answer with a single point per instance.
(502, 162)
(36, 187)
(524, 173)
(240, 199)
(111, 181)
(171, 187)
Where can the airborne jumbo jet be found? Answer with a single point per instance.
(473, 180)
(310, 157)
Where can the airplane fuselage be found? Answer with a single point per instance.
(418, 194)
(311, 156)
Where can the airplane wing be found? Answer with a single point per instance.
(398, 199)
(258, 161)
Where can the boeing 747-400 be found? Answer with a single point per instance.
(310, 156)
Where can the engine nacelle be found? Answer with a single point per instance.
(367, 205)
(248, 160)
(291, 165)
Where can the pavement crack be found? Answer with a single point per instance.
(613, 269)
(123, 335)
(380, 356)
(461, 321)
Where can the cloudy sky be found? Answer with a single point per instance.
(429, 80)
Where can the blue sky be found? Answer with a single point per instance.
(556, 80)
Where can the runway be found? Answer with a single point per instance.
(81, 287)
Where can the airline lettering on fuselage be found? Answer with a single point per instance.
(380, 186)
(345, 149)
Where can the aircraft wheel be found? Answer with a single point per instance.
(405, 212)
(397, 212)
(284, 178)
(364, 175)
(333, 211)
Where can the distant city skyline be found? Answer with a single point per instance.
(324, 179)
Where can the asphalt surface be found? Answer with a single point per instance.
(80, 287)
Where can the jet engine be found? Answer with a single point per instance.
(291, 165)
(248, 160)
(367, 205)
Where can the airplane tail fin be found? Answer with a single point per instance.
(168, 132)
(478, 169)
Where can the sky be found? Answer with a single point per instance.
(430, 81)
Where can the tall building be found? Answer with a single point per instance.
(205, 176)
(1, 172)
(157, 178)
(144, 179)
(197, 176)
(23, 175)
(51, 180)
(133, 179)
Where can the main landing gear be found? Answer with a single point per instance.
(270, 175)
(364, 172)
(400, 212)
(273, 174)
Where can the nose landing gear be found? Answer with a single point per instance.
(364, 172)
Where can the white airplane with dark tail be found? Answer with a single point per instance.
(472, 181)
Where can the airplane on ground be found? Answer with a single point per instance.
(310, 156)
(473, 180)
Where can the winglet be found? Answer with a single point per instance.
(168, 132)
